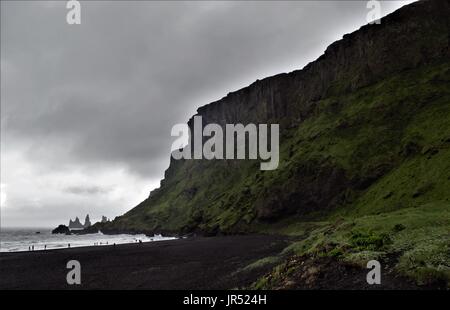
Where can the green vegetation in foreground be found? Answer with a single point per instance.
(419, 237)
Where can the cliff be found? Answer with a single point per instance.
(409, 38)
(348, 121)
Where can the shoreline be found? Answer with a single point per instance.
(195, 263)
(190, 263)
(25, 240)
(83, 247)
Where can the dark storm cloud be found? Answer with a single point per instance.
(105, 94)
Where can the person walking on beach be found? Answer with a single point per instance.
(68, 245)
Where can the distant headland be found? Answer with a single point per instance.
(76, 226)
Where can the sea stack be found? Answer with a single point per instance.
(75, 224)
(87, 222)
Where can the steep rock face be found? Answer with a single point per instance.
(347, 121)
(410, 37)
(406, 39)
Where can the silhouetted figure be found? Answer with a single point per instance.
(140, 241)
(32, 248)
(45, 247)
(68, 245)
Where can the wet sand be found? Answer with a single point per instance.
(193, 263)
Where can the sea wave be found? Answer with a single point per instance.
(16, 240)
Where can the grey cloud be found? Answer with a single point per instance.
(87, 190)
(105, 94)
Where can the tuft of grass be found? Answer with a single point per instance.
(270, 260)
(363, 241)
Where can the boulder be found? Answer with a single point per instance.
(61, 229)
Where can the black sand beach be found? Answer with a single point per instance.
(194, 263)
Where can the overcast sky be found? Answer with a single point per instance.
(86, 110)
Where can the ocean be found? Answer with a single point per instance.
(20, 239)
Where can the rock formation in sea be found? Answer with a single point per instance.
(61, 229)
(87, 222)
(76, 224)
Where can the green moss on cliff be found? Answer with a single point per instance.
(379, 149)
(364, 176)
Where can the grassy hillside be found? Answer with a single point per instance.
(380, 149)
